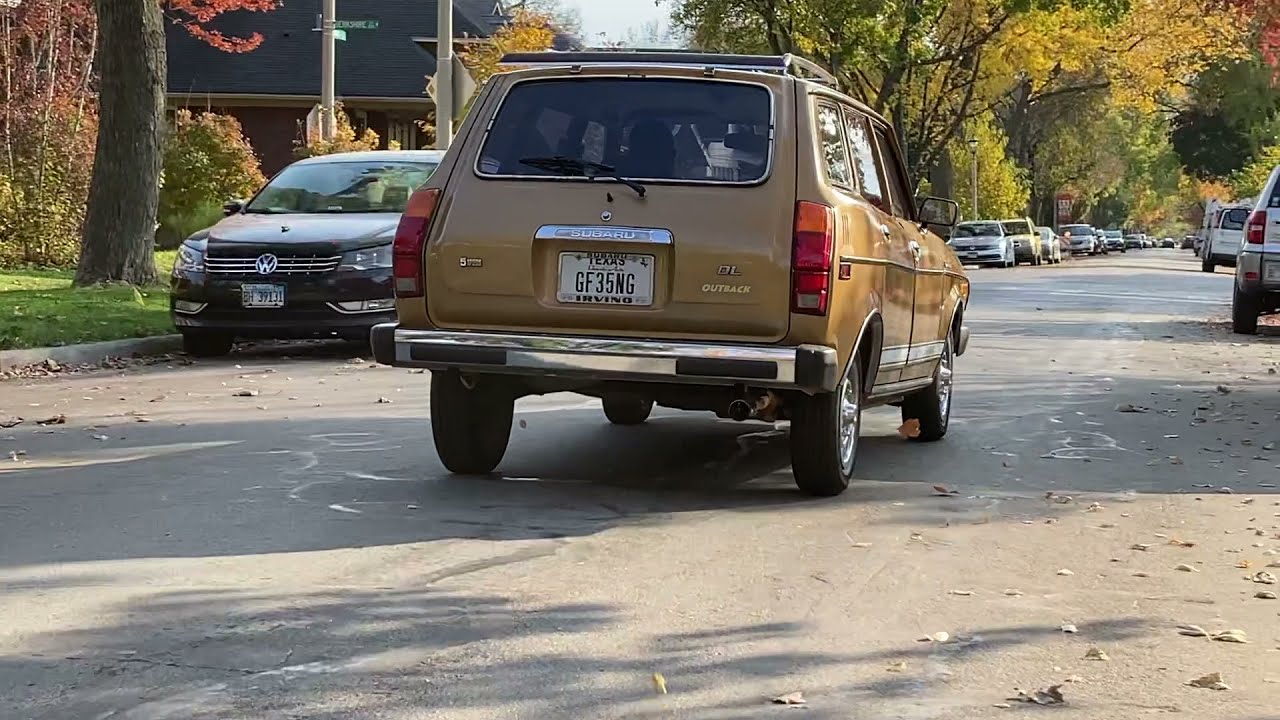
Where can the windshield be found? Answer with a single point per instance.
(342, 187)
(1113, 234)
(1234, 219)
(1077, 231)
(1016, 227)
(638, 128)
(976, 230)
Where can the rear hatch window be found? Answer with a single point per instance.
(644, 129)
(1234, 219)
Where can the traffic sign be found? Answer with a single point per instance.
(464, 86)
(356, 24)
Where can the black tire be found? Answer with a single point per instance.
(1244, 313)
(626, 409)
(1207, 264)
(816, 460)
(206, 343)
(470, 426)
(927, 406)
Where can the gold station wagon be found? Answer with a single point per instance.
(703, 232)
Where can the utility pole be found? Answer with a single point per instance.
(444, 75)
(328, 18)
(973, 173)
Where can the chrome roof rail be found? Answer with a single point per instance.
(707, 62)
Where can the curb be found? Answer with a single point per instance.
(90, 353)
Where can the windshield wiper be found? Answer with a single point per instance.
(586, 168)
(265, 211)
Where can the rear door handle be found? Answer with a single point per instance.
(915, 248)
(885, 229)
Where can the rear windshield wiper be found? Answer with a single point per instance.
(586, 168)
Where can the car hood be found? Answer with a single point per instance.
(319, 232)
(977, 240)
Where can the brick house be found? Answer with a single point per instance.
(381, 74)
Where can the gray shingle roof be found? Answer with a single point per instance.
(370, 63)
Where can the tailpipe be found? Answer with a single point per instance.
(739, 410)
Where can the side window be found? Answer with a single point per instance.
(899, 197)
(834, 153)
(869, 177)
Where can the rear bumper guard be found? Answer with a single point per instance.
(810, 368)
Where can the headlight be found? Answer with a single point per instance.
(367, 258)
(190, 257)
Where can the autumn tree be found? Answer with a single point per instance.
(528, 30)
(120, 221)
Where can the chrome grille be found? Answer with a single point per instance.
(284, 265)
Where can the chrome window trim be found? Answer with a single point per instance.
(764, 177)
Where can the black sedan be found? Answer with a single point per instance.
(308, 257)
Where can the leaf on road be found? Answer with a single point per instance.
(101, 438)
(246, 393)
(1070, 629)
(660, 683)
(1182, 543)
(938, 637)
(962, 593)
(10, 421)
(1244, 564)
(791, 698)
(1212, 681)
(1065, 571)
(1175, 460)
(55, 420)
(1051, 695)
(1012, 592)
(1224, 389)
(1141, 574)
(1096, 654)
(1192, 631)
(1183, 567)
(1095, 507)
(1232, 636)
(384, 401)
(897, 667)
(1263, 577)
(1128, 408)
(1265, 595)
(15, 455)
(1140, 546)
(944, 491)
(910, 429)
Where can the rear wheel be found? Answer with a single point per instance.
(932, 406)
(1206, 263)
(470, 421)
(824, 436)
(206, 343)
(626, 409)
(1244, 313)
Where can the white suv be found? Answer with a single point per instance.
(1257, 286)
(1225, 237)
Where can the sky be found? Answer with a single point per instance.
(615, 17)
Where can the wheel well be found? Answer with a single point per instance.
(869, 351)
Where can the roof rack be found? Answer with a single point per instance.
(707, 62)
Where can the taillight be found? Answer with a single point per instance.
(1256, 229)
(812, 245)
(411, 237)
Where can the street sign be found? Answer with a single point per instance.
(356, 24)
(464, 86)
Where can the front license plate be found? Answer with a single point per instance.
(606, 278)
(1273, 272)
(262, 296)
(971, 255)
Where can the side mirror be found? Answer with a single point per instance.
(938, 212)
(232, 207)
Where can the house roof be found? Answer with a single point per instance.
(383, 63)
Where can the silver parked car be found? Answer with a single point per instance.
(1049, 245)
(1257, 285)
(982, 242)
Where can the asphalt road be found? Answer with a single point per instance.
(182, 549)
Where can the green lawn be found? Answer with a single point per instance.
(39, 308)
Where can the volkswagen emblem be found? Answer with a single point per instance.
(606, 216)
(266, 264)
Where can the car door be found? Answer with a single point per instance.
(898, 295)
(929, 265)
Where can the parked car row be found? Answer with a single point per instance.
(1005, 243)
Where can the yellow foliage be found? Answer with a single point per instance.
(1249, 180)
(1003, 191)
(527, 31)
(344, 139)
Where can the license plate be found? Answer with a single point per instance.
(606, 278)
(971, 255)
(262, 296)
(1273, 272)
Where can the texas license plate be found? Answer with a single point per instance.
(262, 296)
(606, 278)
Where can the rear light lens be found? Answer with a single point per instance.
(813, 243)
(411, 238)
(1256, 228)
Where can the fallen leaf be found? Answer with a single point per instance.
(14, 455)
(910, 428)
(1182, 543)
(1065, 571)
(660, 683)
(938, 637)
(1051, 695)
(1264, 578)
(9, 422)
(1185, 568)
(962, 593)
(1095, 507)
(1003, 706)
(1265, 595)
(1096, 654)
(246, 393)
(55, 420)
(1244, 564)
(410, 507)
(1232, 636)
(1128, 408)
(1012, 593)
(791, 698)
(1140, 546)
(898, 666)
(384, 401)
(942, 490)
(1212, 681)
(1141, 574)
(1175, 460)
(1192, 631)
(1070, 629)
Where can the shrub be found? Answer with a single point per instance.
(207, 161)
(344, 139)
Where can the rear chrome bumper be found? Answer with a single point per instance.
(810, 368)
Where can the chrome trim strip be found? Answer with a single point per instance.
(334, 306)
(605, 233)
(901, 386)
(636, 359)
(764, 176)
(197, 311)
(927, 351)
(893, 356)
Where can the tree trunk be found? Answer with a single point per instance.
(942, 181)
(120, 223)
